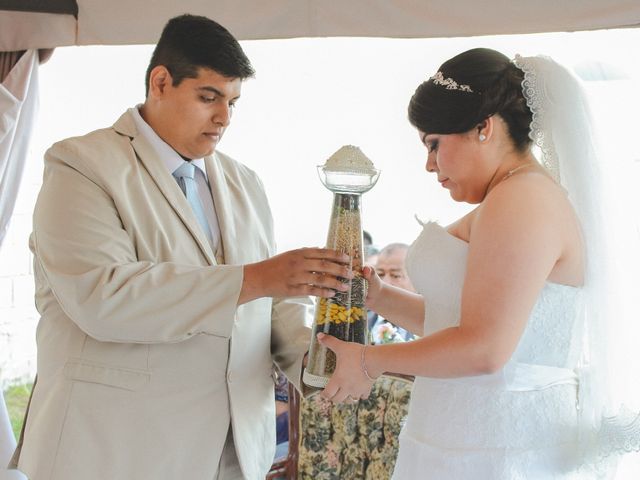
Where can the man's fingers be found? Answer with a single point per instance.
(314, 291)
(329, 268)
(307, 282)
(326, 254)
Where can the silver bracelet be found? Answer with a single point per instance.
(363, 365)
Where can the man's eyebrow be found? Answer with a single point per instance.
(215, 91)
(211, 89)
(208, 88)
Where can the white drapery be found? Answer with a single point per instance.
(18, 107)
(7, 444)
(117, 22)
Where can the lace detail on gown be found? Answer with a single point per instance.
(620, 433)
(520, 422)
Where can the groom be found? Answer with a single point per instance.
(162, 307)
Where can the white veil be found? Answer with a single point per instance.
(563, 129)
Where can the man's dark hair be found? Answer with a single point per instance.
(191, 42)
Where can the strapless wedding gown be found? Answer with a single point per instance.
(519, 423)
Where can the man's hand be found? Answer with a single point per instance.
(306, 271)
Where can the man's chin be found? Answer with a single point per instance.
(209, 149)
(204, 152)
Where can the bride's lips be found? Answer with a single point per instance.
(443, 181)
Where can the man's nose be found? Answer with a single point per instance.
(222, 115)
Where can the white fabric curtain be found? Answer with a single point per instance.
(18, 107)
(7, 444)
(112, 23)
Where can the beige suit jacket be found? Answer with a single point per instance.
(144, 358)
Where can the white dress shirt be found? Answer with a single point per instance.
(172, 160)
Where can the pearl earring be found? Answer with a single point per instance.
(482, 137)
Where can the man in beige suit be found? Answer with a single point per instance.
(154, 358)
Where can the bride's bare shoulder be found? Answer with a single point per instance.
(530, 203)
(534, 190)
(461, 228)
(519, 200)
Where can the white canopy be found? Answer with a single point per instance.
(24, 25)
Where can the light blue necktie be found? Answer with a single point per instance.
(185, 177)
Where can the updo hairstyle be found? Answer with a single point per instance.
(496, 88)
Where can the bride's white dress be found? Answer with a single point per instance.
(519, 423)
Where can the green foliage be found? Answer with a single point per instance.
(17, 398)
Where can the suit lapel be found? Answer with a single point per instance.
(165, 182)
(223, 201)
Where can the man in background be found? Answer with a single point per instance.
(390, 267)
(370, 250)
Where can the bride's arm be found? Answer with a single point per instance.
(402, 307)
(516, 238)
(519, 235)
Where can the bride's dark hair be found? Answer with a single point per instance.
(496, 88)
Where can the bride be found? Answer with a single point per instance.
(509, 307)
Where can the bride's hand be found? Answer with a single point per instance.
(374, 286)
(348, 382)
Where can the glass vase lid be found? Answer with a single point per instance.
(348, 171)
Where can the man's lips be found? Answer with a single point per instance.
(213, 135)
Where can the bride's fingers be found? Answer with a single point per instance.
(332, 343)
(367, 271)
(341, 397)
(330, 391)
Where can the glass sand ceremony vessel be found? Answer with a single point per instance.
(348, 173)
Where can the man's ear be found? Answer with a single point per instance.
(159, 80)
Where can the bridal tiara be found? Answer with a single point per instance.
(449, 83)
